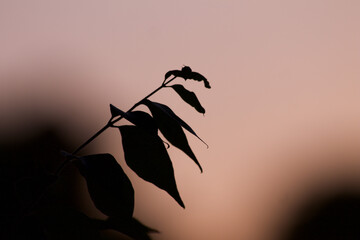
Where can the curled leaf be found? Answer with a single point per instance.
(176, 73)
(146, 155)
(171, 129)
(187, 73)
(188, 97)
(108, 186)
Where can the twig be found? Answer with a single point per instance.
(109, 124)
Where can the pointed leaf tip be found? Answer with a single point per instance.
(146, 155)
(138, 118)
(171, 128)
(173, 115)
(189, 97)
(198, 77)
(116, 111)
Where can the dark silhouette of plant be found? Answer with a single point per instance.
(333, 215)
(145, 153)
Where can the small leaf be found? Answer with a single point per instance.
(146, 155)
(116, 111)
(167, 110)
(172, 130)
(198, 77)
(187, 73)
(188, 97)
(108, 186)
(176, 73)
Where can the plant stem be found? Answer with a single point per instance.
(109, 124)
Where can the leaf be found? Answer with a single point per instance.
(187, 73)
(198, 77)
(167, 110)
(132, 228)
(138, 118)
(116, 111)
(63, 222)
(171, 129)
(108, 186)
(146, 155)
(176, 73)
(188, 97)
(143, 120)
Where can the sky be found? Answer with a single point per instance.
(282, 117)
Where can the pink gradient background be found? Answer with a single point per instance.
(282, 118)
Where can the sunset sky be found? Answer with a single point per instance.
(282, 117)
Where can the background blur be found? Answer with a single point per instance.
(282, 117)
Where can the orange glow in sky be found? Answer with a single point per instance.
(282, 117)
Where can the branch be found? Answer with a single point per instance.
(110, 123)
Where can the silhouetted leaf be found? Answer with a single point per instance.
(146, 155)
(109, 187)
(167, 110)
(171, 129)
(198, 77)
(176, 73)
(188, 97)
(138, 118)
(143, 120)
(187, 73)
(116, 111)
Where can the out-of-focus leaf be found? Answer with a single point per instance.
(28, 188)
(138, 118)
(62, 222)
(132, 228)
(188, 97)
(146, 155)
(187, 73)
(167, 110)
(171, 129)
(29, 227)
(109, 187)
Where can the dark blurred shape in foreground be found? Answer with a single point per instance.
(28, 188)
(35, 204)
(335, 215)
